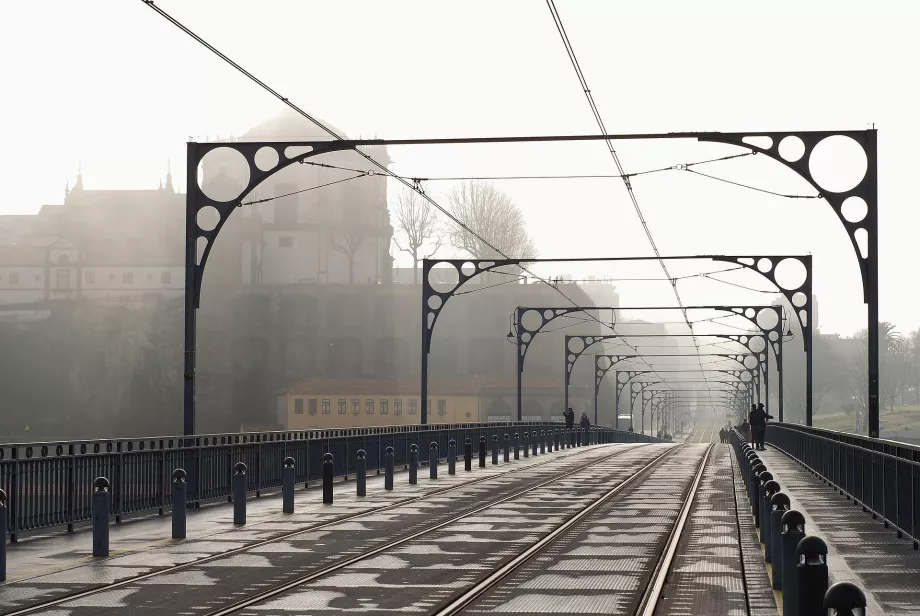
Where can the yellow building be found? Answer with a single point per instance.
(347, 403)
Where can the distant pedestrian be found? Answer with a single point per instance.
(760, 433)
(585, 422)
(569, 415)
(722, 435)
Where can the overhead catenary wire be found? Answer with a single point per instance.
(413, 186)
(616, 159)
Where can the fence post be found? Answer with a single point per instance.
(506, 450)
(433, 460)
(361, 473)
(812, 574)
(517, 440)
(793, 532)
(534, 442)
(468, 455)
(239, 493)
(328, 475)
(452, 457)
(779, 505)
(102, 503)
(179, 500)
(762, 480)
(494, 449)
(527, 444)
(845, 598)
(388, 469)
(287, 485)
(542, 441)
(413, 463)
(578, 437)
(770, 489)
(3, 523)
(482, 452)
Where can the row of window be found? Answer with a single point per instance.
(90, 277)
(369, 406)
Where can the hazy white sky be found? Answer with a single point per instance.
(112, 84)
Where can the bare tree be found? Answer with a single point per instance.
(349, 246)
(492, 215)
(417, 219)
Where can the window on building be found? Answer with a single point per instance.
(326, 407)
(89, 277)
(14, 278)
(369, 406)
(166, 278)
(397, 407)
(285, 241)
(355, 407)
(384, 407)
(341, 406)
(442, 407)
(413, 407)
(312, 406)
(127, 278)
(298, 406)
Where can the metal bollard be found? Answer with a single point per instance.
(542, 441)
(527, 444)
(102, 503)
(179, 500)
(494, 449)
(433, 460)
(4, 519)
(762, 480)
(812, 574)
(507, 452)
(766, 509)
(388, 469)
(571, 438)
(755, 492)
(413, 464)
(517, 440)
(555, 440)
(779, 505)
(239, 493)
(328, 474)
(482, 452)
(793, 523)
(287, 486)
(578, 438)
(468, 455)
(361, 473)
(845, 599)
(533, 443)
(451, 457)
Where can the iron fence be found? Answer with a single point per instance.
(50, 484)
(883, 476)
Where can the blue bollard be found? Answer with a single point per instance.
(517, 440)
(328, 475)
(779, 505)
(845, 599)
(388, 469)
(506, 454)
(239, 493)
(452, 457)
(179, 503)
(813, 576)
(287, 485)
(793, 532)
(494, 449)
(102, 503)
(433, 460)
(361, 473)
(4, 520)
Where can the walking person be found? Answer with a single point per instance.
(761, 432)
(751, 433)
(585, 422)
(569, 415)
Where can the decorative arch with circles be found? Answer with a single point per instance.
(605, 363)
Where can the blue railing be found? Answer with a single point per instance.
(883, 476)
(50, 484)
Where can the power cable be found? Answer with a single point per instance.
(754, 188)
(297, 192)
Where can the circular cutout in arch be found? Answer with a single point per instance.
(468, 268)
(767, 319)
(223, 174)
(838, 163)
(266, 158)
(531, 320)
(443, 272)
(790, 274)
(576, 345)
(745, 377)
(757, 344)
(764, 265)
(791, 148)
(435, 302)
(774, 336)
(750, 362)
(207, 218)
(799, 299)
(854, 209)
(526, 337)
(622, 377)
(603, 363)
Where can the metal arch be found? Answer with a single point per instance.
(646, 394)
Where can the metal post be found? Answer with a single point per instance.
(812, 574)
(533, 443)
(191, 286)
(361, 473)
(527, 444)
(520, 374)
(413, 464)
(793, 531)
(770, 489)
(287, 485)
(779, 505)
(239, 493)
(328, 475)
(494, 449)
(779, 374)
(571, 438)
(179, 500)
(578, 437)
(761, 516)
(452, 457)
(433, 460)
(556, 439)
(871, 148)
(4, 517)
(517, 439)
(846, 599)
(482, 452)
(388, 469)
(102, 503)
(507, 452)
(542, 441)
(468, 455)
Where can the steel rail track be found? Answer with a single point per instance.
(287, 536)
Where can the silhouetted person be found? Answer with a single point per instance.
(569, 415)
(761, 432)
(751, 422)
(631, 429)
(585, 422)
(722, 435)
(758, 418)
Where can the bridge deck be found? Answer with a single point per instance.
(604, 513)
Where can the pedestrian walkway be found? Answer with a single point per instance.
(860, 549)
